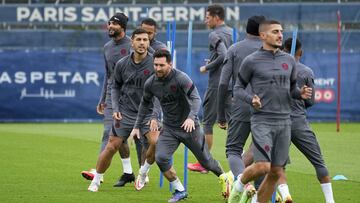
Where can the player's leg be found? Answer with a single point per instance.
(238, 132)
(140, 150)
(210, 115)
(305, 140)
(279, 157)
(104, 161)
(127, 176)
(151, 137)
(195, 141)
(262, 140)
(107, 123)
(209, 119)
(165, 148)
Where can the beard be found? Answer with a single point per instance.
(113, 33)
(276, 46)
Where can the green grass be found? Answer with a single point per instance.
(42, 163)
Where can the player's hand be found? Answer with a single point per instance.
(135, 132)
(188, 125)
(222, 125)
(256, 102)
(117, 116)
(154, 125)
(306, 92)
(203, 69)
(100, 108)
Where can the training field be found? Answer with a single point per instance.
(42, 163)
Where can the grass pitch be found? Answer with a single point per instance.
(42, 163)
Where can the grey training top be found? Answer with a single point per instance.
(234, 57)
(220, 39)
(305, 76)
(128, 86)
(156, 45)
(178, 98)
(272, 77)
(113, 52)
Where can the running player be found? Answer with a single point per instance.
(180, 102)
(130, 74)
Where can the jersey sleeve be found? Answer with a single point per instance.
(220, 48)
(225, 77)
(192, 95)
(294, 89)
(116, 87)
(105, 82)
(309, 81)
(146, 102)
(243, 79)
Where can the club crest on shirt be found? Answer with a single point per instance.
(285, 66)
(267, 148)
(173, 88)
(146, 72)
(123, 52)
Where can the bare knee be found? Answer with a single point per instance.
(276, 172)
(263, 167)
(113, 145)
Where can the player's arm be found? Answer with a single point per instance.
(116, 91)
(146, 102)
(156, 114)
(220, 48)
(225, 77)
(304, 93)
(101, 105)
(309, 81)
(242, 80)
(192, 96)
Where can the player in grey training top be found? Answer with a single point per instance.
(117, 48)
(180, 102)
(220, 39)
(272, 76)
(150, 26)
(301, 134)
(239, 123)
(129, 78)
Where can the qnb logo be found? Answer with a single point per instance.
(324, 95)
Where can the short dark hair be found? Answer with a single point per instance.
(138, 31)
(266, 23)
(149, 21)
(216, 10)
(252, 26)
(160, 53)
(288, 44)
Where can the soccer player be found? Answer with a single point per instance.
(118, 47)
(180, 102)
(272, 76)
(239, 123)
(130, 74)
(301, 134)
(150, 26)
(220, 39)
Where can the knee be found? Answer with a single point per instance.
(323, 175)
(161, 158)
(111, 147)
(162, 161)
(263, 167)
(276, 172)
